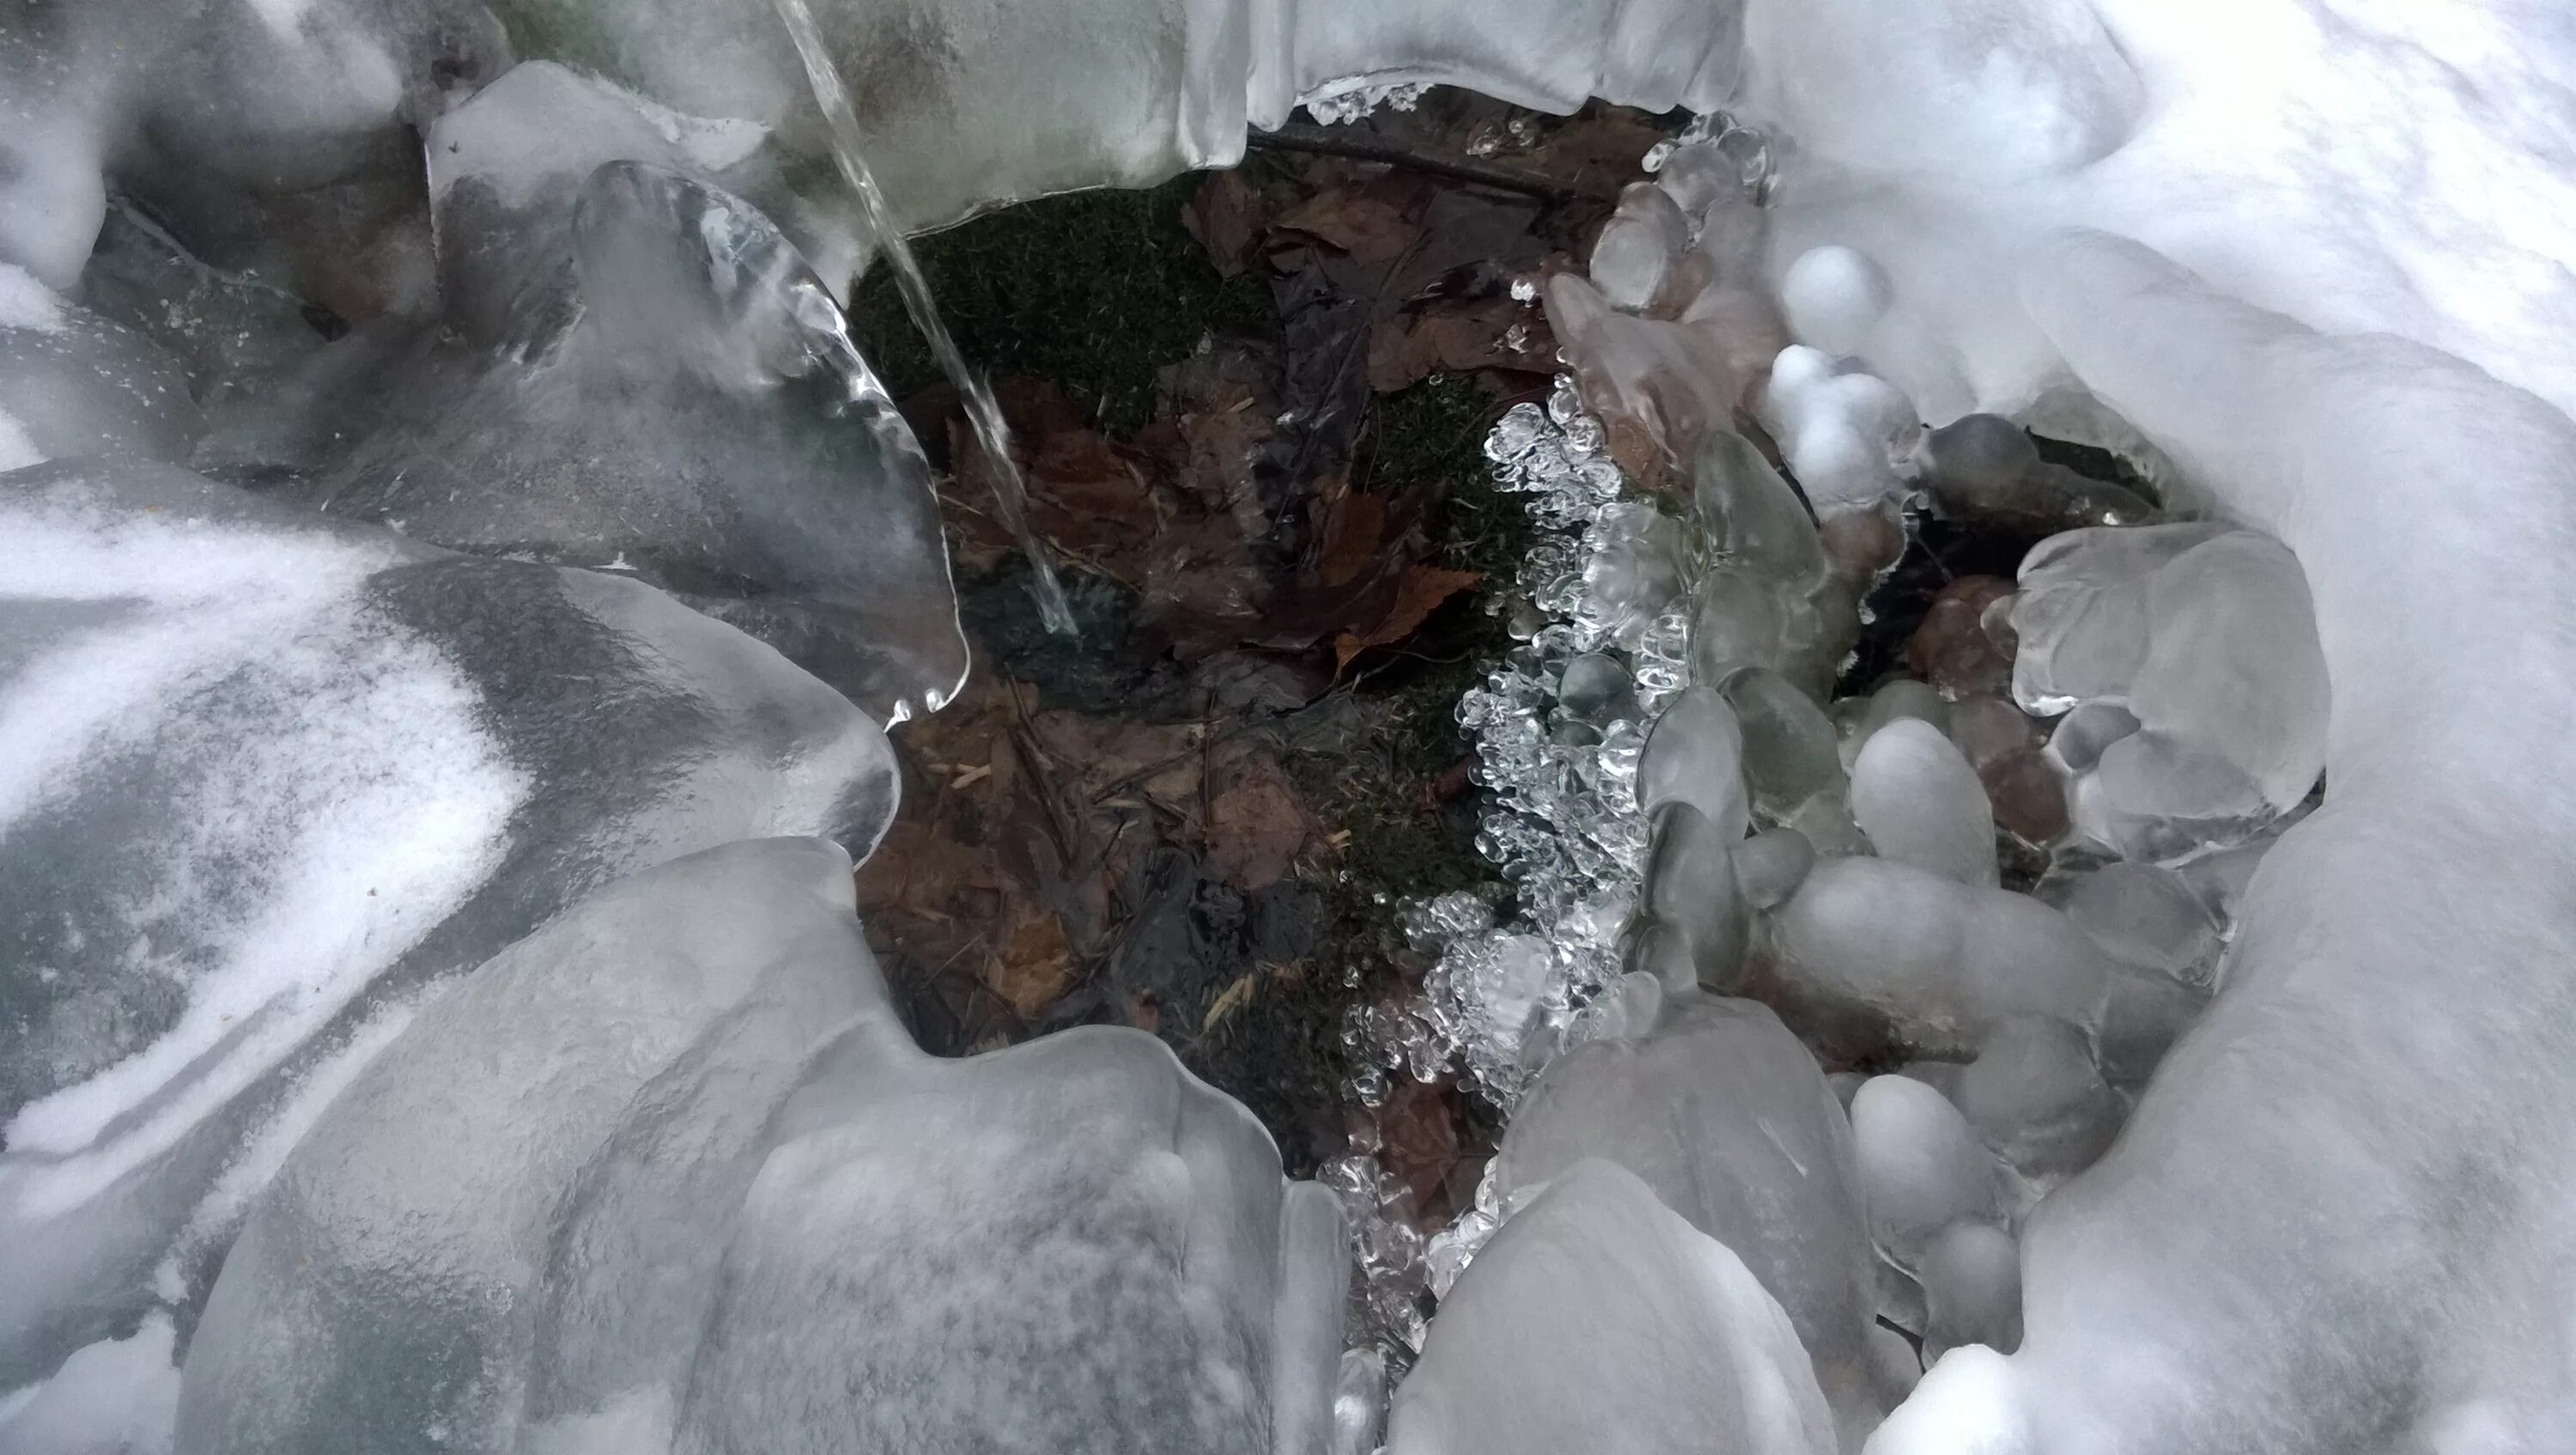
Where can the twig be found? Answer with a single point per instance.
(1478, 174)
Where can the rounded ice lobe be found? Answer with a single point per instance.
(1920, 803)
(1833, 296)
(1921, 1167)
(2203, 636)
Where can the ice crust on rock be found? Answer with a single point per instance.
(753, 1216)
(1599, 1319)
(74, 384)
(271, 779)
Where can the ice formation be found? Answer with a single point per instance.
(1599, 1319)
(631, 369)
(278, 778)
(748, 1189)
(270, 781)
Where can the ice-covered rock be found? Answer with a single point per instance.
(271, 780)
(1598, 1318)
(1727, 1118)
(1844, 431)
(2148, 916)
(1675, 380)
(1984, 468)
(1690, 900)
(692, 1188)
(1694, 754)
(1638, 246)
(1833, 296)
(2206, 638)
(639, 373)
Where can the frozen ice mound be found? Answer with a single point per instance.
(692, 1188)
(271, 780)
(636, 372)
(1599, 1319)
(1720, 1111)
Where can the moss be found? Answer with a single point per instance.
(1095, 291)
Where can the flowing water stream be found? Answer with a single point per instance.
(983, 411)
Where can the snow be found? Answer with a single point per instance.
(26, 303)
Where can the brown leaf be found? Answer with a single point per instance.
(1418, 1135)
(1033, 966)
(1256, 827)
(1225, 215)
(1354, 528)
(1371, 223)
(1424, 588)
(1399, 355)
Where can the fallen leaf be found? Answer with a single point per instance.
(1354, 527)
(1225, 215)
(1424, 588)
(1033, 966)
(1256, 827)
(1418, 1136)
(1370, 222)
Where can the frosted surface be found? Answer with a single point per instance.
(268, 779)
(753, 1217)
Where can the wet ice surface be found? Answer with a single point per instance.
(749, 1189)
(270, 780)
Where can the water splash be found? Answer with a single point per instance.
(983, 411)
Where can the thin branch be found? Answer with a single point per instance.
(1479, 174)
